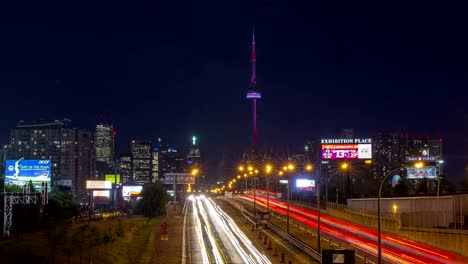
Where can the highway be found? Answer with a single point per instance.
(394, 249)
(220, 239)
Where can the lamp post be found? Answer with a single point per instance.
(290, 167)
(379, 210)
(268, 169)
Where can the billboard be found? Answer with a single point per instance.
(22, 171)
(113, 177)
(131, 192)
(426, 172)
(181, 178)
(105, 193)
(98, 184)
(305, 185)
(346, 151)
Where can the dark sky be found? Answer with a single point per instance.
(177, 68)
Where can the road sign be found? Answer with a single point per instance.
(181, 178)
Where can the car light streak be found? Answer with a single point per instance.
(204, 250)
(211, 213)
(395, 249)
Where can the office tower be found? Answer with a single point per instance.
(141, 161)
(126, 168)
(104, 143)
(155, 163)
(193, 156)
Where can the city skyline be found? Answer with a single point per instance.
(321, 69)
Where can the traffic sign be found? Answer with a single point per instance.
(181, 178)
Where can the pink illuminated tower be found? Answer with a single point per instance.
(253, 93)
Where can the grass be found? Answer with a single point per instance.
(67, 244)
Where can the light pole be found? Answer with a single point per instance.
(310, 168)
(379, 210)
(268, 169)
(290, 167)
(438, 182)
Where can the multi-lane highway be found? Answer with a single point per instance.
(395, 249)
(218, 236)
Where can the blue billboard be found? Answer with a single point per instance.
(22, 171)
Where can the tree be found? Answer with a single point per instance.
(423, 186)
(401, 189)
(447, 186)
(153, 201)
(465, 184)
(61, 204)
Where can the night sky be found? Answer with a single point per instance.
(177, 68)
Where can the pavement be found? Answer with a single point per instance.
(170, 249)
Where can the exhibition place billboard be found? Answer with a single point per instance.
(426, 172)
(22, 171)
(345, 149)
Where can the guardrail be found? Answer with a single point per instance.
(291, 239)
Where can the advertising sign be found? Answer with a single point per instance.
(113, 177)
(181, 178)
(426, 172)
(22, 171)
(131, 191)
(101, 193)
(98, 185)
(305, 185)
(346, 151)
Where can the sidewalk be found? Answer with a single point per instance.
(170, 250)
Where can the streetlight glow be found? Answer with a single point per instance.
(309, 167)
(241, 168)
(268, 168)
(290, 167)
(419, 165)
(344, 165)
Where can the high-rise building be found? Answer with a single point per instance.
(141, 162)
(171, 161)
(155, 163)
(126, 168)
(391, 150)
(69, 149)
(193, 156)
(104, 143)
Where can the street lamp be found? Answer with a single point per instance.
(290, 167)
(379, 210)
(268, 169)
(310, 168)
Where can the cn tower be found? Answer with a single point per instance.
(253, 93)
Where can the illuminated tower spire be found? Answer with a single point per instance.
(253, 93)
(253, 77)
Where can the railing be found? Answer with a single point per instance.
(291, 239)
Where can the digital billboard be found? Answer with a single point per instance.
(113, 178)
(22, 171)
(426, 172)
(98, 184)
(105, 193)
(346, 151)
(305, 185)
(131, 192)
